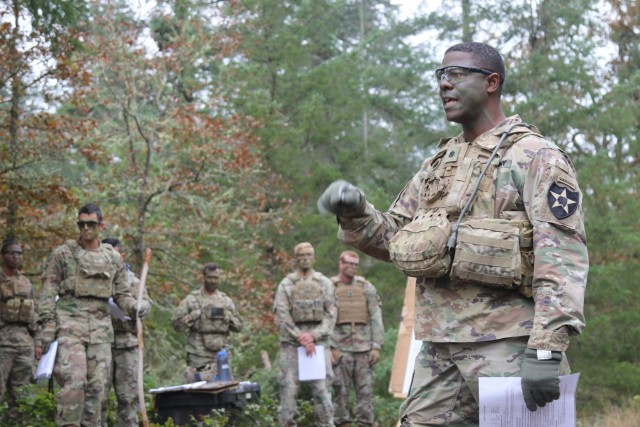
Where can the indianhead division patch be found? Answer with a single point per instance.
(562, 201)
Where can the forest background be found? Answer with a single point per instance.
(206, 130)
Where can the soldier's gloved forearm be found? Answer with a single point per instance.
(143, 311)
(540, 378)
(342, 199)
(374, 356)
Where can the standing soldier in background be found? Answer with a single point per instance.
(17, 325)
(209, 315)
(124, 350)
(492, 227)
(356, 342)
(84, 273)
(305, 316)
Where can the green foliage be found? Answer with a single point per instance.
(606, 354)
(35, 407)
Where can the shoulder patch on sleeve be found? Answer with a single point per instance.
(562, 201)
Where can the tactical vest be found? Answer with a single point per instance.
(307, 301)
(89, 273)
(17, 305)
(447, 184)
(351, 301)
(214, 320)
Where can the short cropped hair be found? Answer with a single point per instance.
(210, 266)
(6, 244)
(300, 246)
(484, 56)
(345, 254)
(89, 209)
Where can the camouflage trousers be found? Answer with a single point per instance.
(82, 372)
(124, 378)
(444, 388)
(353, 371)
(289, 386)
(16, 370)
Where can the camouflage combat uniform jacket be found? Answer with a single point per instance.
(126, 333)
(86, 319)
(289, 329)
(201, 343)
(360, 337)
(15, 334)
(524, 178)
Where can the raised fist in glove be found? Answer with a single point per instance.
(343, 199)
(540, 379)
(374, 356)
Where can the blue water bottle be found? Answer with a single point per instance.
(224, 372)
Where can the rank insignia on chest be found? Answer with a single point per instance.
(562, 201)
(452, 154)
(350, 294)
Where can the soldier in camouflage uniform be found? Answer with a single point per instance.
(356, 342)
(17, 325)
(209, 315)
(500, 259)
(124, 351)
(305, 314)
(84, 273)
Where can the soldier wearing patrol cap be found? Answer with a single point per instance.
(492, 228)
(355, 343)
(305, 316)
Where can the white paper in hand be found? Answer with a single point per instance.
(502, 404)
(45, 365)
(311, 368)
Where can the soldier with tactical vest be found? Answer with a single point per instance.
(355, 343)
(305, 314)
(124, 350)
(492, 228)
(17, 326)
(84, 274)
(209, 315)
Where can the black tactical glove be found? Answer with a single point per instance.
(540, 379)
(343, 199)
(143, 311)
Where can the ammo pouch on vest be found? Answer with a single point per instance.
(352, 304)
(17, 305)
(419, 249)
(213, 341)
(495, 253)
(17, 310)
(307, 301)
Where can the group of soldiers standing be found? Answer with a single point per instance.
(94, 350)
(341, 314)
(84, 279)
